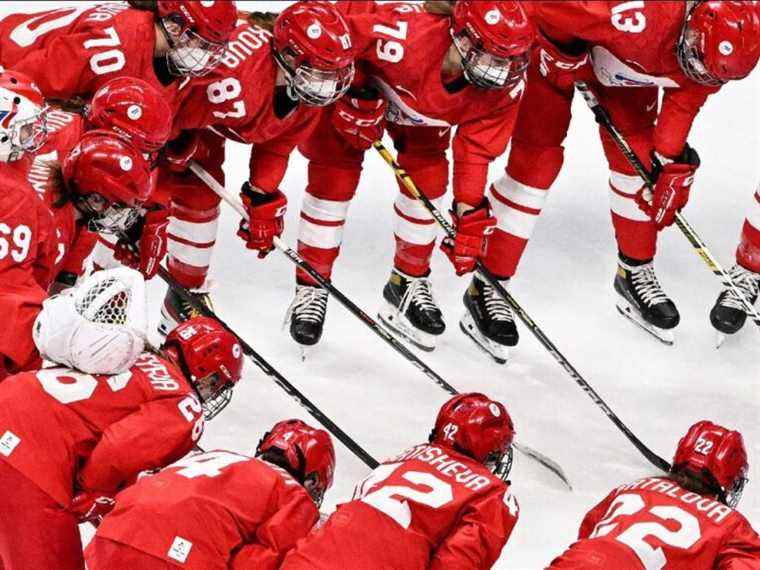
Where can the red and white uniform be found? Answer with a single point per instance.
(76, 49)
(633, 51)
(748, 253)
(41, 240)
(400, 51)
(212, 511)
(64, 432)
(655, 523)
(430, 508)
(237, 99)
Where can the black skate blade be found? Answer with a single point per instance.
(667, 337)
(400, 332)
(465, 328)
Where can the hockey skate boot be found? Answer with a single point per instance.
(729, 315)
(176, 310)
(410, 310)
(489, 320)
(306, 316)
(642, 301)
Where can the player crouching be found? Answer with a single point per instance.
(70, 440)
(685, 520)
(220, 509)
(441, 505)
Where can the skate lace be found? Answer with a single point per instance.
(747, 282)
(418, 293)
(648, 287)
(310, 304)
(497, 307)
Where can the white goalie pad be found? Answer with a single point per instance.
(98, 327)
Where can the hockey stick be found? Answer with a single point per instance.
(401, 174)
(270, 371)
(221, 191)
(603, 118)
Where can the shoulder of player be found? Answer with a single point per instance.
(244, 50)
(161, 378)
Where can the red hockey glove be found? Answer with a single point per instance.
(92, 507)
(470, 243)
(360, 119)
(179, 152)
(146, 244)
(267, 219)
(562, 69)
(671, 191)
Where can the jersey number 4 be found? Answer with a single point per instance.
(651, 558)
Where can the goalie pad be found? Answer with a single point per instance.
(99, 327)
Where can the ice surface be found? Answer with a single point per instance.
(565, 283)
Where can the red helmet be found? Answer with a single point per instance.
(494, 39)
(720, 41)
(109, 179)
(22, 116)
(478, 427)
(211, 356)
(312, 44)
(197, 31)
(134, 109)
(716, 456)
(304, 452)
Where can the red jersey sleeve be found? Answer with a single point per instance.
(593, 517)
(480, 534)
(679, 109)
(741, 551)
(293, 520)
(476, 144)
(79, 252)
(159, 433)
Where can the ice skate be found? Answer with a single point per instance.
(489, 320)
(410, 310)
(306, 316)
(642, 301)
(176, 310)
(728, 315)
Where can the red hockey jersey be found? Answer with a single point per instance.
(655, 523)
(632, 44)
(76, 49)
(213, 511)
(238, 100)
(76, 432)
(429, 508)
(401, 49)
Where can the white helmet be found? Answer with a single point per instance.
(98, 327)
(22, 116)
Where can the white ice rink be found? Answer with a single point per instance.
(564, 282)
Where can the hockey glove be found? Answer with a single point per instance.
(472, 229)
(146, 244)
(91, 507)
(360, 118)
(672, 187)
(179, 152)
(562, 69)
(266, 219)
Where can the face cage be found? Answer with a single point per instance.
(488, 71)
(106, 218)
(191, 55)
(213, 398)
(315, 489)
(317, 87)
(690, 59)
(734, 494)
(28, 136)
(500, 465)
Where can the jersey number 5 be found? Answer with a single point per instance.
(652, 558)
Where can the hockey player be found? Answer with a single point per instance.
(627, 52)
(221, 509)
(69, 441)
(102, 181)
(268, 91)
(441, 505)
(685, 520)
(728, 315)
(73, 51)
(436, 72)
